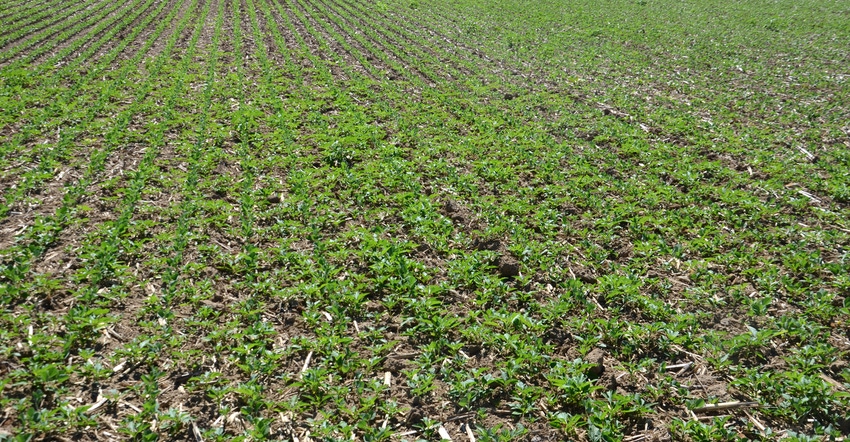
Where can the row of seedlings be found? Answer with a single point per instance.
(626, 192)
(288, 26)
(42, 43)
(464, 69)
(39, 22)
(418, 56)
(459, 386)
(88, 315)
(45, 231)
(56, 77)
(387, 58)
(153, 321)
(12, 13)
(303, 205)
(157, 320)
(50, 155)
(323, 194)
(49, 91)
(200, 151)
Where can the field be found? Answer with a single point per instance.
(589, 220)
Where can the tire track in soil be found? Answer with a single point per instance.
(39, 41)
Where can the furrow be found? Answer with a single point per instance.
(101, 41)
(104, 261)
(342, 18)
(290, 43)
(402, 29)
(350, 57)
(402, 67)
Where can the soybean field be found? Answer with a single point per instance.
(387, 220)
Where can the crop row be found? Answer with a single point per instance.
(88, 316)
(50, 155)
(51, 39)
(45, 231)
(33, 25)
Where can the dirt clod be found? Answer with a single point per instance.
(492, 245)
(844, 426)
(585, 277)
(508, 266)
(596, 357)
